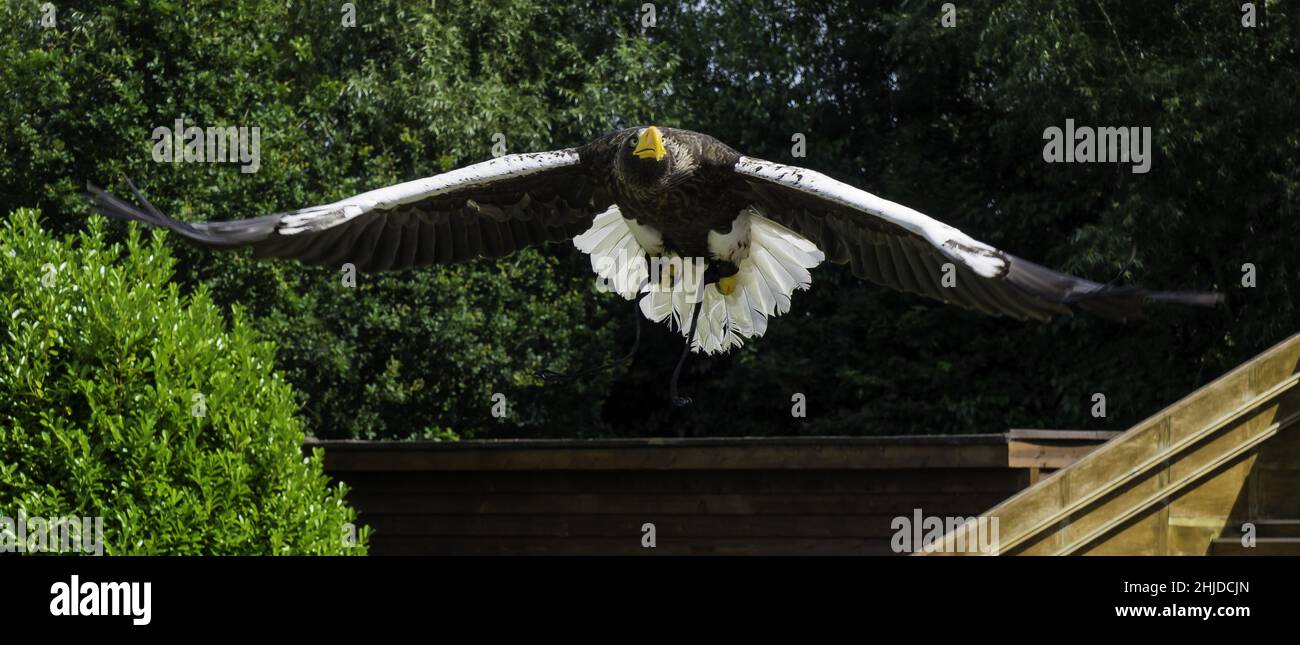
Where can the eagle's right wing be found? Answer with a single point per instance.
(489, 209)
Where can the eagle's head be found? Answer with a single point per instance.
(645, 158)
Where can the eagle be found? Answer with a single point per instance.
(676, 220)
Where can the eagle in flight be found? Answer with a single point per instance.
(712, 241)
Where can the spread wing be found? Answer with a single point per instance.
(897, 247)
(488, 209)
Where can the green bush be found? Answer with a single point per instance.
(122, 399)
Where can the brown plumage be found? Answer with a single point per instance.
(674, 187)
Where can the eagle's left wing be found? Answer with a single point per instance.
(897, 247)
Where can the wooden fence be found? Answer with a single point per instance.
(702, 496)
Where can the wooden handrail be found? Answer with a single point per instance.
(1264, 393)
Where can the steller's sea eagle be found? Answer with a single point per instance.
(700, 230)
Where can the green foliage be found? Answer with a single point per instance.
(421, 355)
(120, 398)
(948, 121)
(408, 92)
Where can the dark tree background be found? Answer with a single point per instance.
(946, 120)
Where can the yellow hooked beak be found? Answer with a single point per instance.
(650, 145)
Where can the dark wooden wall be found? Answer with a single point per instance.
(704, 496)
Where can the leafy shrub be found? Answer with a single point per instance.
(122, 399)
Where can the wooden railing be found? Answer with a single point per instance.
(1227, 454)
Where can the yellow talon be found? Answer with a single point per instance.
(727, 285)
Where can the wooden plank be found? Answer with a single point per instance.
(397, 456)
(992, 480)
(1211, 503)
(1035, 434)
(1190, 540)
(1274, 546)
(672, 504)
(1267, 529)
(1283, 452)
(1275, 366)
(618, 546)
(668, 527)
(1209, 449)
(1143, 536)
(1040, 453)
(1278, 496)
(1117, 459)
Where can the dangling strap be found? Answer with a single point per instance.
(683, 401)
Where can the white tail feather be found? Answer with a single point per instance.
(616, 257)
(777, 265)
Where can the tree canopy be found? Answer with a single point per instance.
(887, 96)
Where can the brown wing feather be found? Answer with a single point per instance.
(492, 219)
(887, 254)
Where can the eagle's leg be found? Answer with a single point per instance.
(683, 401)
(550, 375)
(636, 340)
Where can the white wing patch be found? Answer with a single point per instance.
(978, 256)
(777, 264)
(616, 255)
(317, 218)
